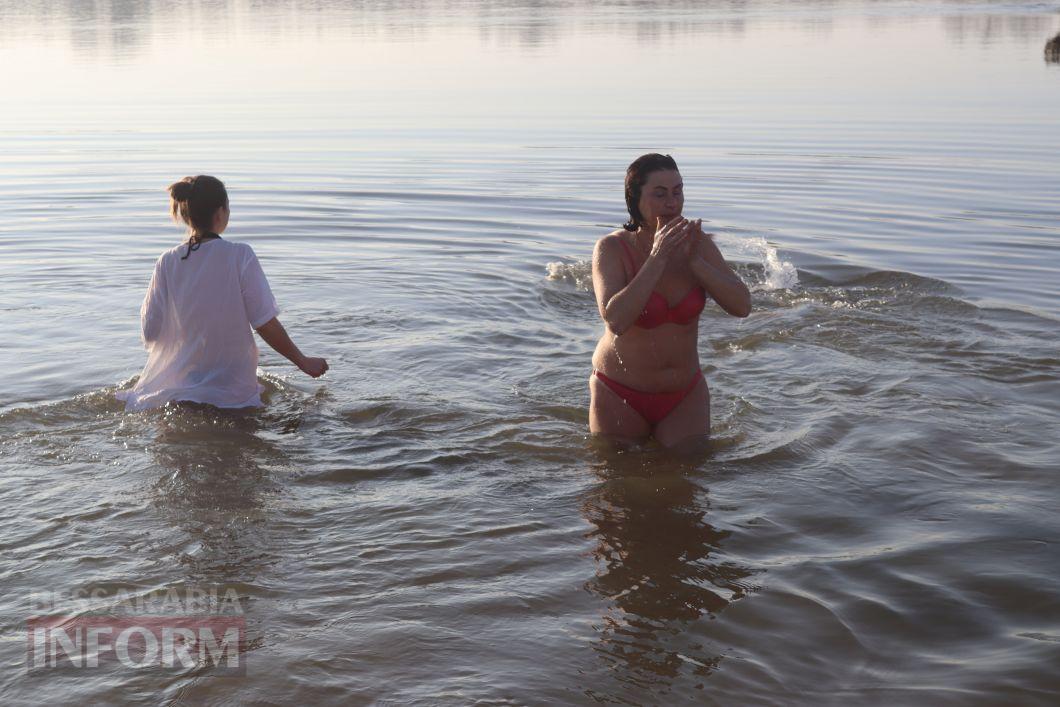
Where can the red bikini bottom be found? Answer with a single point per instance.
(653, 407)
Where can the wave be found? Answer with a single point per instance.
(101, 403)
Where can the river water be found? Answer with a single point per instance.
(876, 519)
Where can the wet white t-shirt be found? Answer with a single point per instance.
(197, 321)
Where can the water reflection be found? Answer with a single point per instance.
(216, 486)
(217, 492)
(1052, 50)
(988, 29)
(657, 566)
(125, 29)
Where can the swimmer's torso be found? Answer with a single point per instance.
(660, 358)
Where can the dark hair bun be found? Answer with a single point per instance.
(195, 201)
(181, 191)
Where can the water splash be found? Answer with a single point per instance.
(777, 274)
(579, 273)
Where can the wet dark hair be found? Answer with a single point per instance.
(194, 200)
(636, 177)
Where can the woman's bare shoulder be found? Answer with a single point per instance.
(608, 254)
(611, 240)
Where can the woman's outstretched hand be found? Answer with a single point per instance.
(314, 367)
(672, 237)
(276, 337)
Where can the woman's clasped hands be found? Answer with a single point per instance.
(677, 236)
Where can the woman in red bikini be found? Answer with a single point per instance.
(652, 279)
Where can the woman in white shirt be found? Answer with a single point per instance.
(204, 298)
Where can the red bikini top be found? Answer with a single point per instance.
(657, 311)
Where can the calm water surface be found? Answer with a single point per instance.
(876, 520)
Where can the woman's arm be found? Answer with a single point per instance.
(276, 336)
(619, 303)
(717, 278)
(261, 307)
(153, 308)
